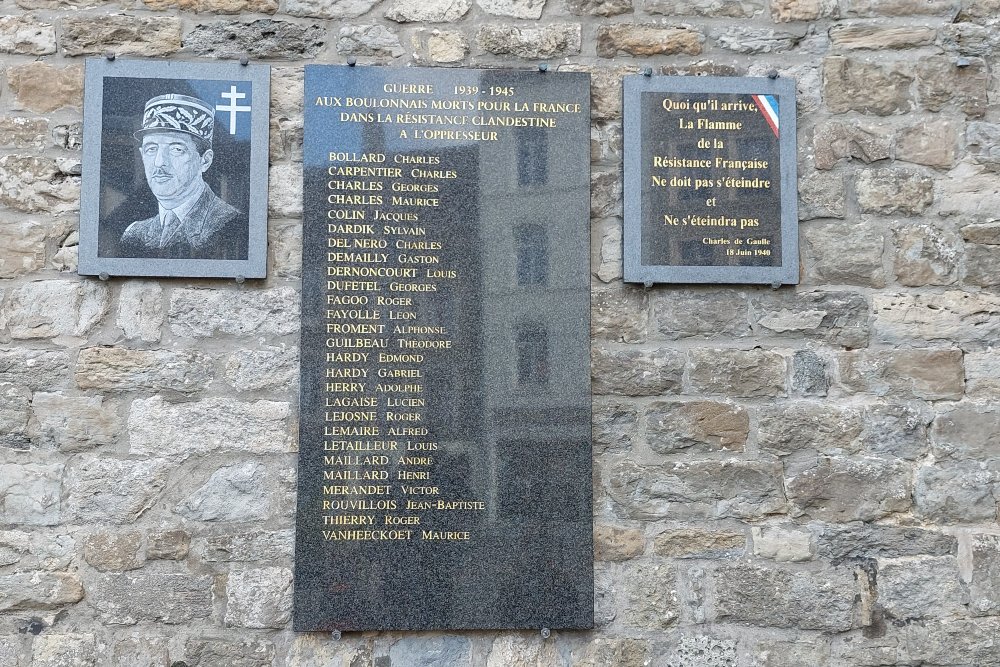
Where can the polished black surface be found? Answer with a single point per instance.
(709, 180)
(455, 202)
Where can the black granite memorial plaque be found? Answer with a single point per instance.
(445, 457)
(710, 189)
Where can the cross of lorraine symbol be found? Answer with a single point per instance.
(232, 108)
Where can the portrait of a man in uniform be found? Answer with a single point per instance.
(174, 169)
(175, 142)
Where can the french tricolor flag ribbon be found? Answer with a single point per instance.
(768, 105)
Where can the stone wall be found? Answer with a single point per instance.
(802, 477)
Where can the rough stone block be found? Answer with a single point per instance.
(940, 83)
(733, 9)
(956, 492)
(171, 598)
(615, 427)
(38, 550)
(896, 430)
(696, 426)
(215, 6)
(838, 140)
(140, 310)
(30, 493)
(205, 652)
(15, 402)
(55, 309)
(171, 544)
(73, 423)
(651, 599)
(951, 317)
(599, 7)
(893, 191)
(850, 84)
(22, 247)
(953, 642)
(982, 373)
(39, 590)
(769, 652)
(980, 265)
(519, 9)
(32, 184)
(884, 8)
(549, 41)
(985, 585)
(24, 35)
(158, 428)
(260, 545)
(785, 543)
(865, 540)
(983, 143)
(931, 143)
(925, 255)
(628, 372)
(263, 39)
(698, 490)
(38, 86)
(648, 39)
(447, 46)
(605, 194)
(737, 373)
(233, 493)
(259, 597)
(64, 650)
(270, 368)
(199, 313)
(609, 258)
(837, 489)
(39, 370)
(329, 9)
(921, 587)
(930, 374)
(617, 651)
(754, 41)
(836, 253)
(428, 11)
(966, 39)
(23, 132)
(810, 375)
(615, 544)
(784, 11)
(967, 432)
(369, 40)
(821, 196)
(700, 313)
(809, 427)
(785, 596)
(121, 34)
(125, 369)
(144, 651)
(866, 36)
(619, 314)
(839, 318)
(114, 551)
(700, 543)
(605, 88)
(283, 198)
(105, 490)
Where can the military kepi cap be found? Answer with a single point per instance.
(178, 113)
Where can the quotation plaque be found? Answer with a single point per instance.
(710, 180)
(445, 455)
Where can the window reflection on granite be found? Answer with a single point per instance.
(532, 354)
(531, 244)
(532, 156)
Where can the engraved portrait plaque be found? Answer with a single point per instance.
(445, 456)
(710, 180)
(174, 169)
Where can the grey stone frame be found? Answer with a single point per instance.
(787, 273)
(255, 266)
